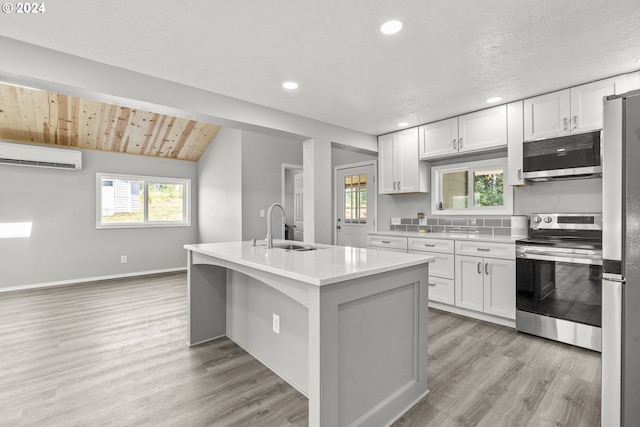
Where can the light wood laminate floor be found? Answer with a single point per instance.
(114, 353)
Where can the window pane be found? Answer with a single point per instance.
(455, 190)
(488, 188)
(166, 202)
(122, 201)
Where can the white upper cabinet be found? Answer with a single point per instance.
(482, 130)
(400, 169)
(574, 110)
(439, 139)
(515, 135)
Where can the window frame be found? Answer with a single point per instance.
(470, 168)
(186, 200)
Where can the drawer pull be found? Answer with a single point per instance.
(479, 268)
(386, 241)
(432, 284)
(483, 249)
(486, 268)
(430, 245)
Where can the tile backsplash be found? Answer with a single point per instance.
(495, 226)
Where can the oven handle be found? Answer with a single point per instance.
(554, 257)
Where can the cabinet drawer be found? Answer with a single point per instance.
(441, 290)
(486, 249)
(431, 245)
(443, 265)
(387, 242)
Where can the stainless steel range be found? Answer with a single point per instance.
(559, 279)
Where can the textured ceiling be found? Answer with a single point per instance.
(450, 56)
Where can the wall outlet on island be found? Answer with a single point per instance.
(395, 221)
(261, 213)
(123, 259)
(276, 323)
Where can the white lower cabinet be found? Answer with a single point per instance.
(441, 290)
(486, 284)
(441, 270)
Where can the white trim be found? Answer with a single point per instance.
(373, 163)
(89, 279)
(473, 314)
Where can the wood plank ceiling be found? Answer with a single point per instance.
(41, 117)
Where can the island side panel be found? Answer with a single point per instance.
(207, 296)
(368, 348)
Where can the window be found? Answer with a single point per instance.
(141, 201)
(355, 199)
(471, 188)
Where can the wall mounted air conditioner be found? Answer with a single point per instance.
(39, 156)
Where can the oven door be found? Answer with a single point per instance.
(574, 156)
(559, 285)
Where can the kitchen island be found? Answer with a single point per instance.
(345, 326)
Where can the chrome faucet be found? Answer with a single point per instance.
(269, 238)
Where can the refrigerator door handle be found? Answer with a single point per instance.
(612, 295)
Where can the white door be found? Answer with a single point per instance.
(439, 139)
(547, 116)
(298, 198)
(469, 282)
(356, 205)
(499, 287)
(587, 102)
(483, 129)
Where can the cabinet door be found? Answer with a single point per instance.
(408, 164)
(386, 169)
(547, 115)
(483, 129)
(500, 287)
(439, 139)
(469, 286)
(587, 101)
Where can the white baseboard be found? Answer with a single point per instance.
(89, 279)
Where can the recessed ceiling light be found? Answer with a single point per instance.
(391, 27)
(494, 99)
(403, 124)
(290, 85)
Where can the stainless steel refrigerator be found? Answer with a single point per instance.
(621, 261)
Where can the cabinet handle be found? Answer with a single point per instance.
(460, 143)
(398, 185)
(575, 122)
(431, 284)
(519, 173)
(386, 241)
(486, 268)
(430, 245)
(455, 147)
(564, 121)
(394, 186)
(483, 249)
(479, 268)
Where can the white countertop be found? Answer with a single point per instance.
(451, 236)
(324, 266)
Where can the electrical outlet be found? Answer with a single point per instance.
(395, 221)
(123, 259)
(276, 323)
(261, 213)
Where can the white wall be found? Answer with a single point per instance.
(220, 189)
(65, 244)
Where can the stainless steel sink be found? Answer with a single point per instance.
(292, 247)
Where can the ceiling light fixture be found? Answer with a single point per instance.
(290, 85)
(391, 27)
(403, 124)
(494, 99)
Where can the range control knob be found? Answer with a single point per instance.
(537, 219)
(548, 219)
